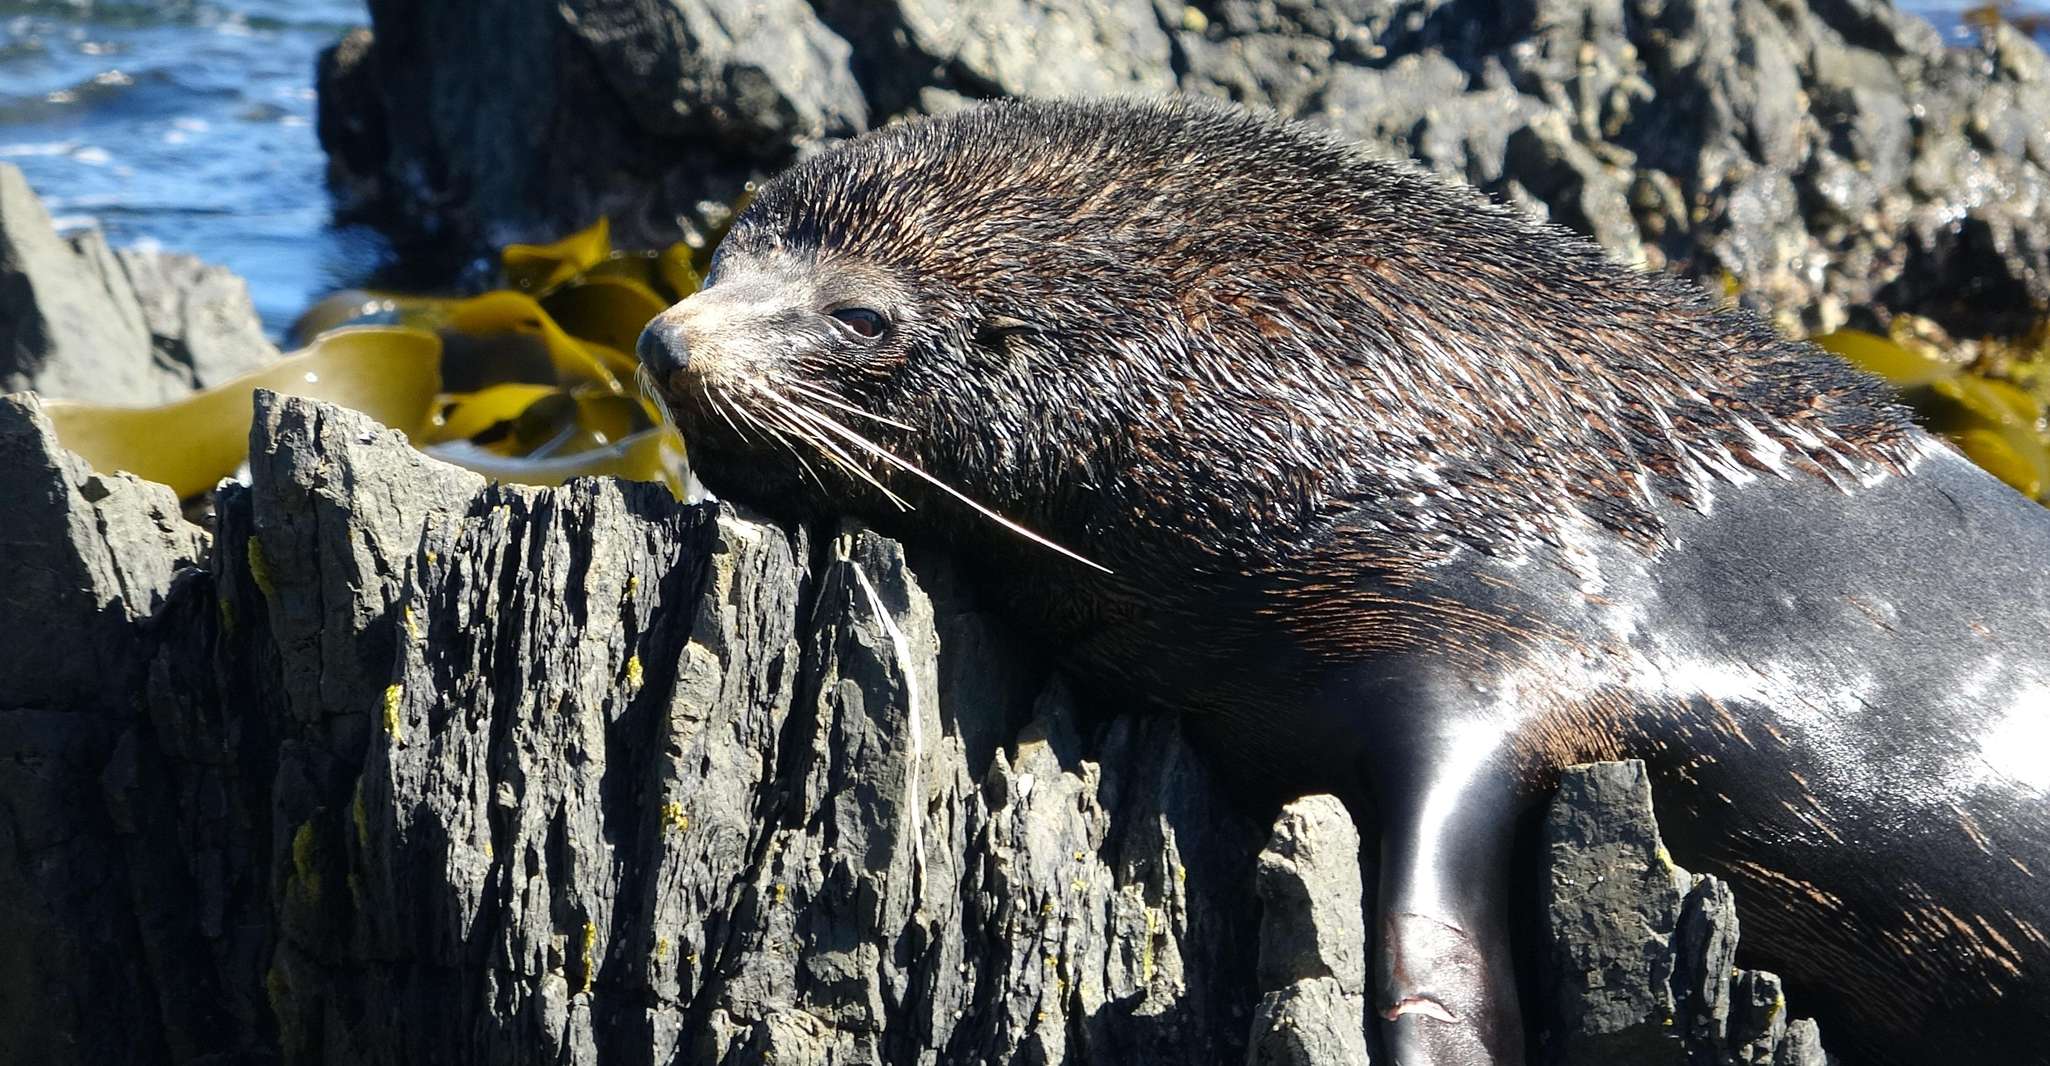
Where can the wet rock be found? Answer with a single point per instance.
(349, 119)
(648, 111)
(755, 74)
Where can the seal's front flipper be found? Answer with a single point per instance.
(1445, 990)
(1444, 787)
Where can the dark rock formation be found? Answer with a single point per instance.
(640, 109)
(81, 321)
(1830, 158)
(1640, 958)
(420, 769)
(401, 767)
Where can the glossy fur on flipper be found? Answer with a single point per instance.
(1389, 480)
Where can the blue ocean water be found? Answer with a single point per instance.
(185, 124)
(188, 124)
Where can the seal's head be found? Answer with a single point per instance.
(1184, 337)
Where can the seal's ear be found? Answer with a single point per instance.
(994, 338)
(991, 331)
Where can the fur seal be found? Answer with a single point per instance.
(1380, 478)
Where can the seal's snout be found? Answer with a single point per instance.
(662, 347)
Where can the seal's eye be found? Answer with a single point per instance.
(861, 320)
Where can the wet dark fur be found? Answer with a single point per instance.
(1354, 441)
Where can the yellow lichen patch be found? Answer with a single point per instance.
(589, 954)
(259, 570)
(305, 869)
(277, 989)
(412, 622)
(392, 696)
(674, 818)
(661, 948)
(633, 673)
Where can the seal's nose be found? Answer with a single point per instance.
(662, 348)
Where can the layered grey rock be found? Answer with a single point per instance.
(597, 774)
(1829, 159)
(404, 766)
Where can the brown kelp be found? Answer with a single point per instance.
(1985, 396)
(532, 381)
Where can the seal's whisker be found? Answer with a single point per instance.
(712, 400)
(811, 435)
(822, 396)
(771, 429)
(847, 462)
(741, 411)
(887, 456)
(644, 379)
